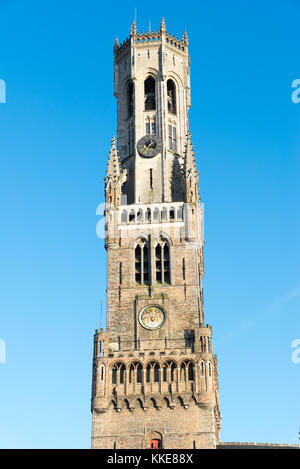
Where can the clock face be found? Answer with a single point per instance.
(152, 317)
(149, 146)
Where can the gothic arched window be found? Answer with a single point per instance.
(187, 371)
(171, 93)
(162, 261)
(152, 372)
(169, 371)
(142, 262)
(135, 372)
(118, 373)
(149, 88)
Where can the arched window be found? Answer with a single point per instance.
(152, 372)
(130, 99)
(149, 87)
(142, 262)
(118, 373)
(162, 261)
(171, 93)
(187, 371)
(135, 372)
(169, 371)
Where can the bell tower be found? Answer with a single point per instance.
(155, 381)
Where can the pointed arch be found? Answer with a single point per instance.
(135, 372)
(169, 368)
(187, 372)
(162, 261)
(142, 261)
(118, 373)
(152, 372)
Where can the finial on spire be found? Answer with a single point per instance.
(163, 25)
(185, 38)
(133, 29)
(116, 43)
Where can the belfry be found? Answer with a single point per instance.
(155, 380)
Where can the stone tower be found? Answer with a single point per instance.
(155, 381)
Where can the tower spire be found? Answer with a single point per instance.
(113, 165)
(190, 171)
(189, 160)
(115, 177)
(185, 38)
(133, 29)
(163, 25)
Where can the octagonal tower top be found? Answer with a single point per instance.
(150, 38)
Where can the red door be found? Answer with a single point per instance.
(155, 444)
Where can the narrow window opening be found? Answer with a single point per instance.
(171, 92)
(139, 374)
(172, 137)
(130, 99)
(142, 276)
(149, 88)
(156, 373)
(162, 262)
(191, 372)
(122, 372)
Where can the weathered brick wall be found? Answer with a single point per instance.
(179, 427)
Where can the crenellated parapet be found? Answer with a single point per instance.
(150, 38)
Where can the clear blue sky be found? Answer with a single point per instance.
(57, 62)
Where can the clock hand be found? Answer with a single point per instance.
(149, 146)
